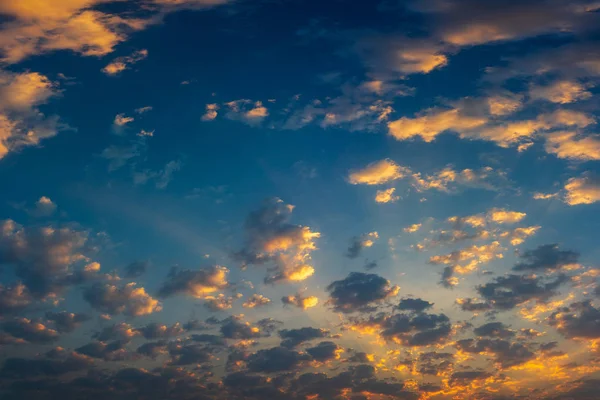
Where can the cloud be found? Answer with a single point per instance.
(119, 155)
(120, 64)
(469, 23)
(272, 239)
(359, 292)
(189, 354)
(45, 257)
(65, 321)
(412, 228)
(113, 351)
(122, 120)
(136, 269)
(582, 190)
(494, 329)
(386, 196)
(121, 332)
(143, 110)
(505, 353)
(416, 305)
(413, 329)
(211, 112)
(294, 337)
(62, 363)
(325, 351)
(21, 121)
(128, 299)
(473, 305)
(14, 298)
(561, 92)
(32, 331)
(256, 301)
(44, 207)
(276, 359)
(377, 173)
(161, 178)
(196, 283)
(577, 321)
(571, 146)
(300, 301)
(155, 330)
(509, 291)
(359, 243)
(546, 257)
(247, 111)
(235, 328)
(220, 302)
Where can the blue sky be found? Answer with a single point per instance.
(299, 199)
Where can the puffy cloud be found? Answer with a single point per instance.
(153, 349)
(582, 190)
(295, 337)
(120, 64)
(65, 321)
(300, 301)
(276, 359)
(121, 332)
(44, 207)
(386, 196)
(220, 302)
(21, 122)
(359, 243)
(211, 112)
(413, 329)
(44, 257)
(325, 351)
(136, 269)
(509, 291)
(198, 283)
(29, 330)
(14, 298)
(157, 330)
(570, 145)
(473, 305)
(359, 292)
(577, 321)
(113, 351)
(416, 305)
(412, 228)
(256, 300)
(235, 328)
(247, 111)
(502, 216)
(546, 257)
(129, 299)
(494, 329)
(505, 353)
(189, 354)
(55, 363)
(468, 23)
(271, 238)
(432, 123)
(377, 173)
(561, 92)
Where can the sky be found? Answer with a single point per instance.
(299, 199)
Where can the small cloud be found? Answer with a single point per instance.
(256, 300)
(386, 196)
(583, 190)
(211, 112)
(377, 173)
(44, 207)
(143, 110)
(359, 243)
(146, 133)
(412, 228)
(300, 301)
(120, 64)
(122, 120)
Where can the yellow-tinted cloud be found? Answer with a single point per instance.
(412, 228)
(565, 144)
(386, 196)
(211, 112)
(377, 173)
(502, 216)
(584, 190)
(120, 64)
(561, 92)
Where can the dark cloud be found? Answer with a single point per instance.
(473, 305)
(546, 257)
(136, 269)
(466, 377)
(359, 292)
(128, 299)
(65, 321)
(505, 353)
(189, 354)
(153, 349)
(358, 243)
(324, 351)
(14, 298)
(294, 337)
(434, 363)
(196, 283)
(494, 329)
(113, 351)
(121, 331)
(359, 357)
(272, 239)
(208, 338)
(61, 363)
(507, 292)
(578, 320)
(417, 305)
(32, 331)
(235, 328)
(156, 330)
(276, 359)
(44, 257)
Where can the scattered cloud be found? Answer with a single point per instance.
(120, 64)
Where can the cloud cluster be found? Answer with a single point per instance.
(360, 292)
(128, 299)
